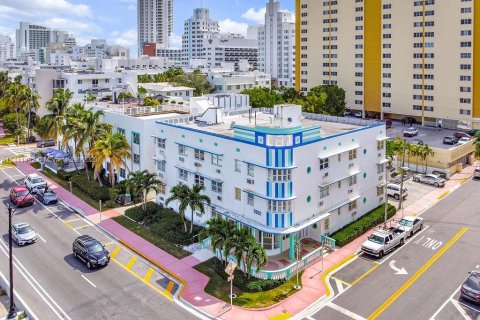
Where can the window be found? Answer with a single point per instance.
(352, 154)
(250, 199)
(352, 180)
(352, 205)
(136, 138)
(161, 143)
(182, 150)
(380, 191)
(122, 173)
(380, 168)
(324, 192)
(279, 175)
(199, 155)
(136, 158)
(122, 131)
(279, 206)
(238, 165)
(250, 170)
(199, 180)
(323, 164)
(217, 160)
(380, 145)
(217, 186)
(238, 194)
(183, 174)
(161, 166)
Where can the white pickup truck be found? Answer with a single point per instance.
(383, 241)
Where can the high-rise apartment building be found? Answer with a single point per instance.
(395, 58)
(6, 48)
(276, 45)
(154, 22)
(197, 29)
(31, 37)
(231, 49)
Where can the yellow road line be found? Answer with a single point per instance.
(342, 281)
(169, 297)
(148, 275)
(324, 276)
(71, 220)
(131, 262)
(109, 243)
(282, 316)
(69, 226)
(115, 252)
(169, 287)
(443, 194)
(365, 274)
(463, 180)
(417, 274)
(81, 227)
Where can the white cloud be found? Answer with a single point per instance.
(255, 15)
(127, 38)
(71, 25)
(132, 7)
(44, 8)
(230, 26)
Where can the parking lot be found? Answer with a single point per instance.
(416, 190)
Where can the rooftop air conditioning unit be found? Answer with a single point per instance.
(219, 198)
(350, 191)
(320, 203)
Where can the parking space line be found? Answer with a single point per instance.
(115, 251)
(344, 311)
(149, 274)
(131, 262)
(169, 287)
(81, 227)
(45, 241)
(342, 281)
(109, 243)
(72, 220)
(93, 285)
(457, 306)
(445, 303)
(467, 306)
(417, 274)
(365, 274)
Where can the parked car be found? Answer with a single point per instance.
(460, 135)
(357, 114)
(464, 140)
(90, 251)
(409, 120)
(476, 173)
(472, 132)
(429, 179)
(393, 190)
(411, 224)
(388, 123)
(419, 142)
(33, 182)
(384, 241)
(450, 140)
(21, 197)
(23, 233)
(410, 132)
(440, 174)
(46, 143)
(47, 196)
(471, 287)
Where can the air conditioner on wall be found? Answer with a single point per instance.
(250, 181)
(197, 164)
(219, 171)
(325, 174)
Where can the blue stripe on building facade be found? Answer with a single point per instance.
(291, 219)
(283, 190)
(268, 219)
(283, 220)
(276, 221)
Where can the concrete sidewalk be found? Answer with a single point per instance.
(195, 282)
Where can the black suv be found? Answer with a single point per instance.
(90, 251)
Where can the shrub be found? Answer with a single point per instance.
(10, 121)
(91, 188)
(62, 174)
(110, 204)
(138, 214)
(36, 165)
(355, 229)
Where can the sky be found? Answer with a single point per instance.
(115, 20)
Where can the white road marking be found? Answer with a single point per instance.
(93, 285)
(444, 304)
(397, 270)
(339, 286)
(30, 311)
(478, 266)
(468, 307)
(346, 312)
(460, 309)
(41, 237)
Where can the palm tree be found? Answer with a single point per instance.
(4, 83)
(196, 201)
(15, 99)
(73, 128)
(476, 143)
(142, 183)
(34, 104)
(239, 245)
(180, 194)
(409, 148)
(114, 148)
(57, 106)
(255, 255)
(427, 152)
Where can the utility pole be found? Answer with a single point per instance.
(12, 313)
(386, 198)
(297, 249)
(402, 174)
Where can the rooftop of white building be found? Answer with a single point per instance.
(164, 87)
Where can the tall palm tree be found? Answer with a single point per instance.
(476, 143)
(142, 183)
(33, 98)
(114, 148)
(255, 255)
(73, 128)
(180, 194)
(4, 83)
(57, 106)
(427, 152)
(238, 245)
(196, 201)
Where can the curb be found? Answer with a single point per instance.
(331, 269)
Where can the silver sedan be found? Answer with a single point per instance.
(429, 179)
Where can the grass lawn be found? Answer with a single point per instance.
(52, 176)
(148, 235)
(220, 288)
(6, 139)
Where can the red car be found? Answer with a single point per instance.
(21, 197)
(460, 135)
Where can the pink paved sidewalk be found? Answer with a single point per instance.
(313, 287)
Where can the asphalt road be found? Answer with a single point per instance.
(436, 260)
(57, 286)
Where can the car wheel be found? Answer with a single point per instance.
(397, 197)
(415, 179)
(89, 265)
(436, 184)
(411, 233)
(380, 254)
(402, 242)
(421, 226)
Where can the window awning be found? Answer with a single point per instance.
(344, 203)
(158, 159)
(199, 174)
(383, 161)
(351, 174)
(268, 198)
(269, 167)
(328, 154)
(383, 138)
(199, 148)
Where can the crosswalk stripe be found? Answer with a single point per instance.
(131, 262)
(115, 252)
(339, 286)
(148, 275)
(346, 312)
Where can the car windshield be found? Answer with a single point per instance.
(21, 193)
(473, 281)
(95, 248)
(376, 239)
(406, 223)
(37, 180)
(24, 230)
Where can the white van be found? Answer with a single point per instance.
(393, 190)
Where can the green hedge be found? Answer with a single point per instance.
(91, 188)
(355, 229)
(62, 174)
(36, 165)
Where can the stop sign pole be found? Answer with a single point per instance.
(232, 265)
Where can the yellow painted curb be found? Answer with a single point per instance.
(149, 274)
(282, 316)
(463, 180)
(182, 288)
(443, 195)
(131, 262)
(324, 276)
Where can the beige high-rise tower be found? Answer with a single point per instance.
(154, 22)
(395, 58)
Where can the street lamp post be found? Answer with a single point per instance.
(297, 250)
(12, 313)
(404, 170)
(386, 198)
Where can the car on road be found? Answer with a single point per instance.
(46, 143)
(21, 197)
(419, 142)
(47, 196)
(476, 173)
(460, 135)
(432, 179)
(410, 132)
(33, 182)
(90, 251)
(471, 287)
(472, 132)
(450, 140)
(411, 224)
(440, 174)
(23, 233)
(393, 190)
(381, 241)
(464, 140)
